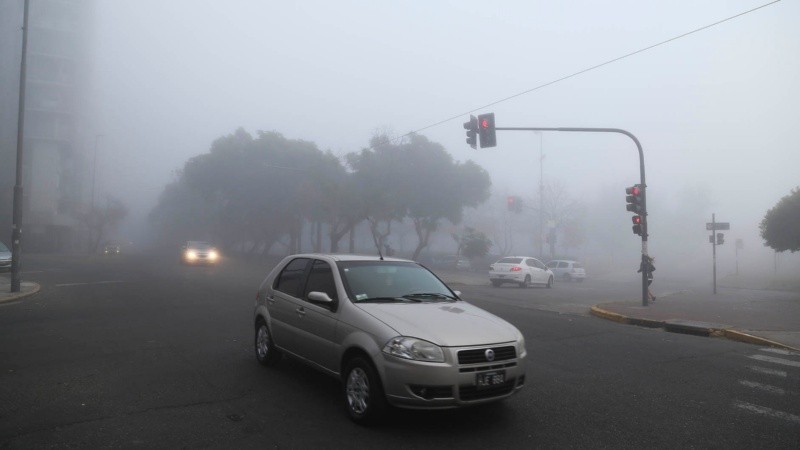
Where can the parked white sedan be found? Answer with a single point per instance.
(521, 270)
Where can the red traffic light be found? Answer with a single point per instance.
(637, 220)
(510, 200)
(633, 190)
(484, 123)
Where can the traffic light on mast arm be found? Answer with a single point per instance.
(486, 130)
(472, 131)
(635, 205)
(514, 203)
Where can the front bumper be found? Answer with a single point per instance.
(422, 385)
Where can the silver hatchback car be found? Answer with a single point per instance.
(390, 330)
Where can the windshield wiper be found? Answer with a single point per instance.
(429, 295)
(387, 300)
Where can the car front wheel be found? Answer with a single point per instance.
(363, 394)
(550, 282)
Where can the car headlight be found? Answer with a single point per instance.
(212, 254)
(414, 349)
(191, 254)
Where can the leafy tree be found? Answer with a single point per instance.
(254, 191)
(779, 228)
(473, 243)
(417, 179)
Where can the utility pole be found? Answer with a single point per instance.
(541, 196)
(94, 166)
(16, 231)
(714, 247)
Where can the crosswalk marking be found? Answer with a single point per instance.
(775, 360)
(767, 411)
(763, 387)
(779, 351)
(764, 370)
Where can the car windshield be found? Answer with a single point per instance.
(199, 245)
(3, 248)
(389, 280)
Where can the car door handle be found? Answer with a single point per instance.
(300, 311)
(271, 300)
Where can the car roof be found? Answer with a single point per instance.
(347, 257)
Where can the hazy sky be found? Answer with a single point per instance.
(716, 110)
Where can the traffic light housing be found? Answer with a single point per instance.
(486, 130)
(720, 238)
(637, 225)
(634, 199)
(472, 131)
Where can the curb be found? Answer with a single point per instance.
(17, 296)
(674, 327)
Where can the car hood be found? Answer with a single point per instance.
(452, 324)
(4, 256)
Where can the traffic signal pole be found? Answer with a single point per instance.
(644, 261)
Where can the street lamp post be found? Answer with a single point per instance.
(16, 231)
(94, 166)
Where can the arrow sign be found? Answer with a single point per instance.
(718, 226)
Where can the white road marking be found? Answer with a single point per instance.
(774, 360)
(763, 387)
(764, 370)
(89, 283)
(767, 411)
(779, 351)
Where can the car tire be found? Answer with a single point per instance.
(526, 283)
(550, 282)
(266, 353)
(363, 393)
(496, 283)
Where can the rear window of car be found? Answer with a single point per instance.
(563, 265)
(291, 276)
(552, 264)
(510, 261)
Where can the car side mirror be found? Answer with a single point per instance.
(319, 297)
(458, 293)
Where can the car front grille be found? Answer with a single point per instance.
(467, 393)
(478, 355)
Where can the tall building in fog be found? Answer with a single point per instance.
(58, 145)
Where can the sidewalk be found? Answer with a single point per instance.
(26, 288)
(759, 317)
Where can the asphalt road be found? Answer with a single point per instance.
(128, 351)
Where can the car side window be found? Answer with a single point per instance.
(539, 264)
(563, 265)
(531, 262)
(552, 264)
(291, 277)
(321, 279)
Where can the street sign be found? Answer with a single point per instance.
(718, 226)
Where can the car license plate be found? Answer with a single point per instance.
(488, 379)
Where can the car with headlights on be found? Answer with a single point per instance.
(199, 252)
(520, 270)
(390, 330)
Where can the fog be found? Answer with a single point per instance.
(716, 112)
